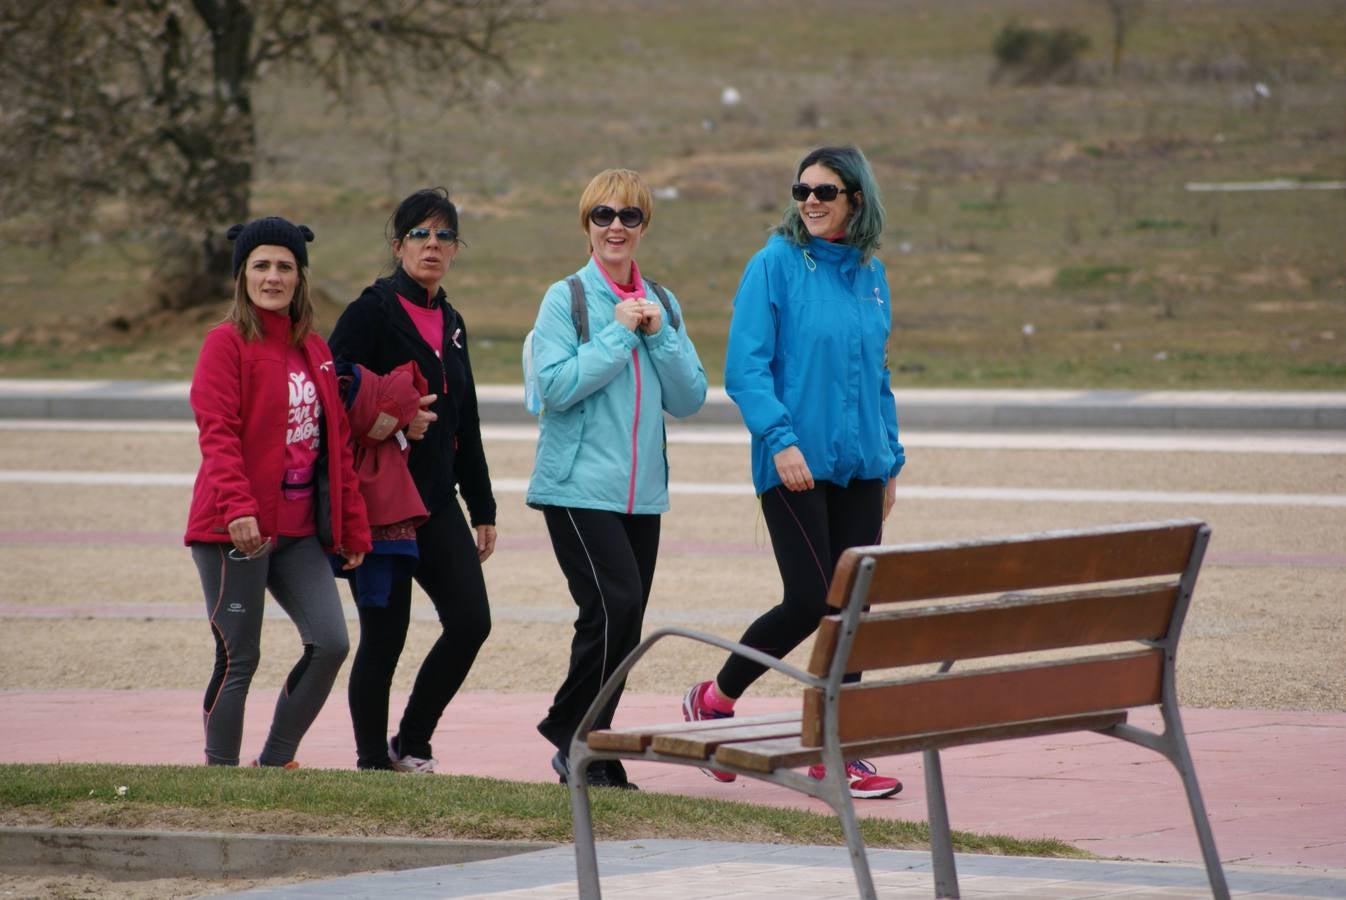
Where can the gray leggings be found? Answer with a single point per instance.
(300, 578)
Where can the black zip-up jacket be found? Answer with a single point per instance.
(376, 332)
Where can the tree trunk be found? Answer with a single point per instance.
(197, 269)
(219, 189)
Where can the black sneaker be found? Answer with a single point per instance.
(604, 773)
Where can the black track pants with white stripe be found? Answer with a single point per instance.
(608, 560)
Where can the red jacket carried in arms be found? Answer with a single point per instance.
(380, 407)
(241, 399)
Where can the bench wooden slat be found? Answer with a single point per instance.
(635, 739)
(783, 753)
(924, 572)
(1001, 625)
(989, 697)
(703, 744)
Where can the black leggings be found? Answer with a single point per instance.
(449, 571)
(608, 561)
(809, 531)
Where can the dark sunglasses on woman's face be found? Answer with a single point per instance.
(631, 216)
(823, 192)
(443, 235)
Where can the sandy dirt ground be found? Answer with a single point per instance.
(97, 591)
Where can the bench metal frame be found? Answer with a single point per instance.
(834, 788)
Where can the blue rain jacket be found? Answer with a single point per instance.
(807, 362)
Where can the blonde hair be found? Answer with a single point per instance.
(244, 315)
(625, 185)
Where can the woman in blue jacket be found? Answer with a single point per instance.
(807, 365)
(600, 476)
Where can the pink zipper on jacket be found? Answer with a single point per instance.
(635, 430)
(636, 289)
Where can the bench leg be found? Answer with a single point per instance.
(855, 843)
(586, 857)
(941, 843)
(1182, 761)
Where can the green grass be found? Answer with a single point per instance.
(1075, 277)
(1060, 206)
(461, 807)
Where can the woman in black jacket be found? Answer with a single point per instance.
(406, 316)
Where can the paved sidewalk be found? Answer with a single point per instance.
(678, 870)
(1274, 782)
(934, 408)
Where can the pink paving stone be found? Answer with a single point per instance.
(1274, 782)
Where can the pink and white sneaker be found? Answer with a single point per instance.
(866, 782)
(695, 710)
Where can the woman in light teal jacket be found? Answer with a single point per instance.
(807, 365)
(600, 475)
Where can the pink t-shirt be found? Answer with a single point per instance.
(303, 433)
(430, 325)
(429, 322)
(626, 291)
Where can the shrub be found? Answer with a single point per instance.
(1038, 55)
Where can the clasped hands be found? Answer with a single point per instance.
(640, 313)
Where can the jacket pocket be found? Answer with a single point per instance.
(559, 444)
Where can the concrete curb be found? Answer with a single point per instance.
(172, 854)
(948, 408)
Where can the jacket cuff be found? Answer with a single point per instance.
(662, 338)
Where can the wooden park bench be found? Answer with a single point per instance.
(1115, 596)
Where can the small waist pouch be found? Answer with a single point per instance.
(298, 483)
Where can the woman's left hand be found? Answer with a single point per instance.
(889, 497)
(485, 542)
(652, 316)
(353, 560)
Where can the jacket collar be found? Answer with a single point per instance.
(276, 326)
(408, 287)
(845, 255)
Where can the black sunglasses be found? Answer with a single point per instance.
(443, 235)
(631, 216)
(824, 192)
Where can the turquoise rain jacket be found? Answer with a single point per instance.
(807, 362)
(601, 436)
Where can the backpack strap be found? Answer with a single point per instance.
(663, 298)
(579, 310)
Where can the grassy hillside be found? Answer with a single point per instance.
(1038, 235)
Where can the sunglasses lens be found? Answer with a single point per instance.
(602, 216)
(443, 235)
(824, 192)
(632, 216)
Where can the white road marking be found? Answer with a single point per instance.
(1137, 441)
(733, 489)
(1275, 184)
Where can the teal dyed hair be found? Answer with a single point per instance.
(865, 225)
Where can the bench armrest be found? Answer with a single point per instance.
(619, 674)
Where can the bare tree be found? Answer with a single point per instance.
(1124, 14)
(149, 102)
